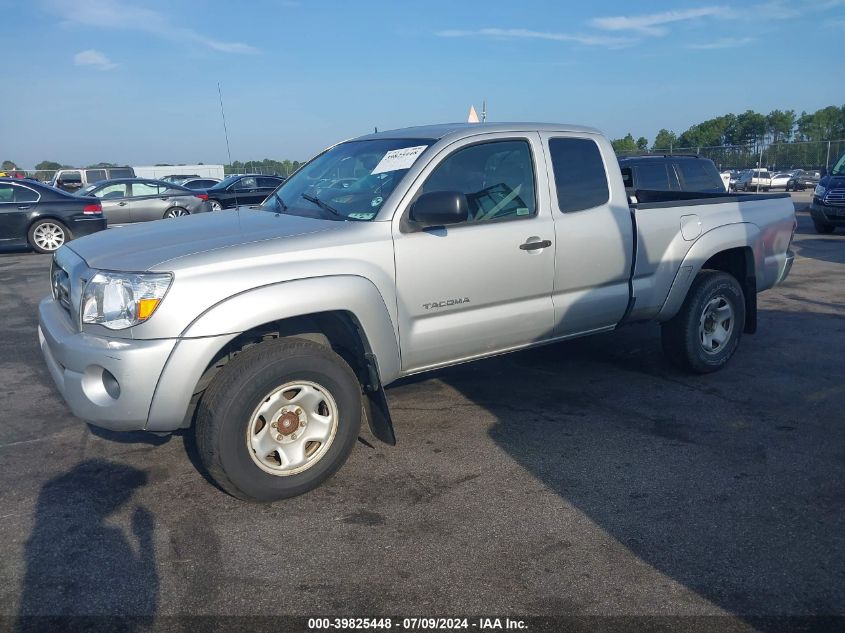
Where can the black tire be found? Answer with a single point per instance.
(67, 236)
(681, 335)
(228, 404)
(823, 227)
(175, 212)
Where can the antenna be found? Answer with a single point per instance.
(225, 131)
(228, 151)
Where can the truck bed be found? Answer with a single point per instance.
(762, 223)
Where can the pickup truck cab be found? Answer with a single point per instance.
(274, 330)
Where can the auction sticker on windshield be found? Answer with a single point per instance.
(397, 159)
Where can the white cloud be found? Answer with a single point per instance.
(588, 40)
(93, 58)
(725, 42)
(114, 15)
(652, 24)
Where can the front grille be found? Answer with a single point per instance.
(835, 197)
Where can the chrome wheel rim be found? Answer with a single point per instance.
(292, 428)
(175, 213)
(716, 325)
(48, 236)
(215, 206)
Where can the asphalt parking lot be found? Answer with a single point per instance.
(588, 477)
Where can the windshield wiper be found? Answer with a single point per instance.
(281, 202)
(323, 205)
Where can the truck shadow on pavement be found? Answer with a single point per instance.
(80, 557)
(732, 484)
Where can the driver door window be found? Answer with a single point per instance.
(245, 184)
(496, 177)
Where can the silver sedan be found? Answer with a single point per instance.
(128, 200)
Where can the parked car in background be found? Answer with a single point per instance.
(239, 190)
(199, 183)
(675, 172)
(75, 179)
(803, 180)
(453, 243)
(828, 206)
(178, 179)
(753, 179)
(780, 180)
(128, 200)
(43, 217)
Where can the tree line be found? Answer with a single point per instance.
(747, 129)
(739, 136)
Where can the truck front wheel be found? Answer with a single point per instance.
(278, 419)
(705, 333)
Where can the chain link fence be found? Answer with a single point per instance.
(249, 168)
(816, 155)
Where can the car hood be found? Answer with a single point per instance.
(141, 247)
(833, 182)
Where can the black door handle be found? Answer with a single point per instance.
(121, 204)
(24, 206)
(533, 246)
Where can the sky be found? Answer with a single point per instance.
(135, 82)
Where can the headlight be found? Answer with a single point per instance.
(819, 191)
(121, 300)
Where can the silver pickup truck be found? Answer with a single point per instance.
(272, 330)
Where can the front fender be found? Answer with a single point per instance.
(722, 238)
(348, 293)
(206, 335)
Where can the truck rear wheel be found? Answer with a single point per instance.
(705, 333)
(278, 419)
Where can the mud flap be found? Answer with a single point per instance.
(750, 292)
(378, 416)
(375, 404)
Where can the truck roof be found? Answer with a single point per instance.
(460, 130)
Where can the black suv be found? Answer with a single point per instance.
(676, 172)
(246, 189)
(828, 207)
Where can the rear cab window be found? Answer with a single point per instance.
(579, 173)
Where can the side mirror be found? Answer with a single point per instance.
(440, 208)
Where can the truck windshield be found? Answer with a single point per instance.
(839, 167)
(350, 181)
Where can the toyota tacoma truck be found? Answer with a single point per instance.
(273, 330)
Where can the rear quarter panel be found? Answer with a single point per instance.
(668, 258)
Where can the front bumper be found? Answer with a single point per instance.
(109, 382)
(828, 214)
(787, 266)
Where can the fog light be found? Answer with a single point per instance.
(100, 385)
(111, 384)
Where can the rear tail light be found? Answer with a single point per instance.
(202, 196)
(92, 209)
